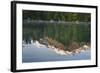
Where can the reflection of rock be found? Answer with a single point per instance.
(38, 45)
(73, 52)
(32, 41)
(86, 47)
(55, 43)
(59, 48)
(77, 51)
(73, 46)
(68, 52)
(61, 52)
(44, 41)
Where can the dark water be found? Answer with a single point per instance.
(32, 53)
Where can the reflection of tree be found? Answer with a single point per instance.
(63, 33)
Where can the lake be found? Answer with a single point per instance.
(33, 53)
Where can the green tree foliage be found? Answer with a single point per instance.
(62, 16)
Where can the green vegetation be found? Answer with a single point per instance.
(65, 33)
(62, 16)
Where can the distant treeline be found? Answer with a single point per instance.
(62, 16)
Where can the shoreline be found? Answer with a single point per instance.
(58, 50)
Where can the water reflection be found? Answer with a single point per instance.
(56, 41)
(36, 52)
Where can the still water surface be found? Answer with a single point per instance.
(33, 53)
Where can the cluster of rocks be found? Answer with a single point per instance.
(54, 43)
(73, 48)
(59, 48)
(73, 52)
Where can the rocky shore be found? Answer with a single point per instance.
(59, 48)
(71, 49)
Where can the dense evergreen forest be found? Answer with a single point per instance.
(78, 30)
(62, 16)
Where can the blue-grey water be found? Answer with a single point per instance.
(31, 53)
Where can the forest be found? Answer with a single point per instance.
(78, 28)
(62, 16)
